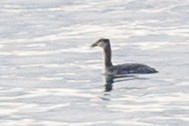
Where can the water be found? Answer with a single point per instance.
(50, 77)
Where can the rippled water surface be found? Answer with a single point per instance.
(49, 76)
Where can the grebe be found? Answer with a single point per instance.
(121, 69)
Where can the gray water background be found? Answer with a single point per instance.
(49, 76)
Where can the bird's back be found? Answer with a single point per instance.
(132, 69)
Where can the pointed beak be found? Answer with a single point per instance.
(94, 45)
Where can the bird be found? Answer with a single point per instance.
(120, 69)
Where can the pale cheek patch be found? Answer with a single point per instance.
(102, 44)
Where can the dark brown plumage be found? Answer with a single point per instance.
(134, 68)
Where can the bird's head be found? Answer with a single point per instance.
(101, 43)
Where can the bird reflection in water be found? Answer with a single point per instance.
(110, 79)
(108, 82)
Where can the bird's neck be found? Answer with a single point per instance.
(107, 57)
